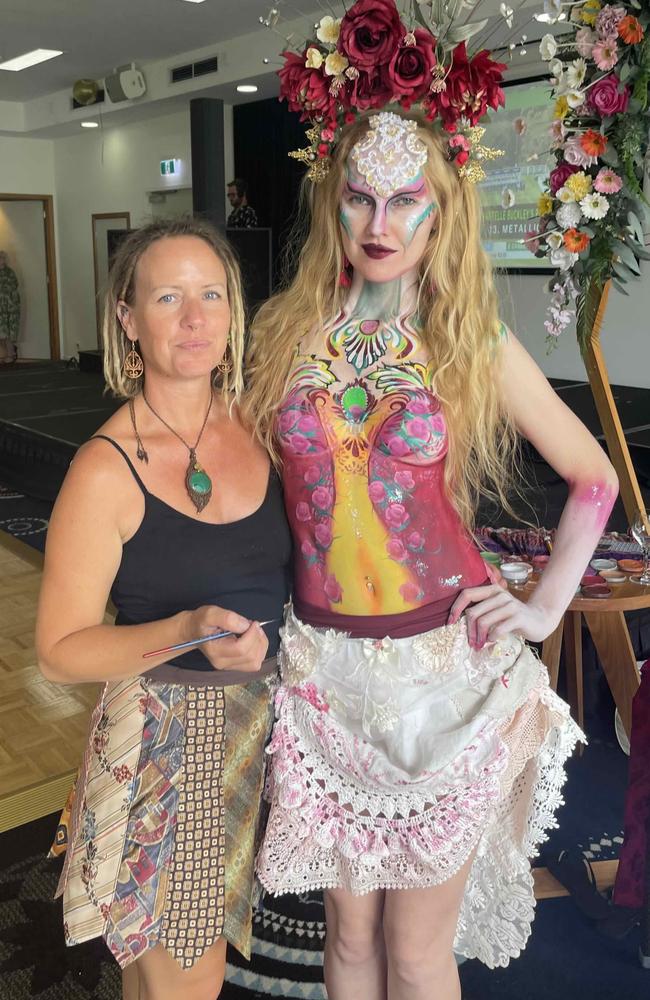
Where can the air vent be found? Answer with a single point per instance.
(200, 68)
(206, 66)
(182, 73)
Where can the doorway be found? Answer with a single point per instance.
(27, 237)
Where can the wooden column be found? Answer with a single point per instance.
(610, 421)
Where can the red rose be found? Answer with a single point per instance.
(471, 87)
(410, 68)
(371, 91)
(306, 90)
(558, 176)
(370, 32)
(607, 97)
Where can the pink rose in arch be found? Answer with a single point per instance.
(418, 429)
(415, 540)
(299, 444)
(404, 479)
(287, 420)
(307, 549)
(396, 515)
(322, 497)
(398, 446)
(376, 491)
(332, 589)
(396, 550)
(303, 511)
(419, 406)
(307, 423)
(312, 475)
(323, 535)
(409, 591)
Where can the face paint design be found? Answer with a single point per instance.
(384, 237)
(390, 153)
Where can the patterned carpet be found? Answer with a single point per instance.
(24, 517)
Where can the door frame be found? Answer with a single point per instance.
(47, 201)
(102, 215)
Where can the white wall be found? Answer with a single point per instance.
(625, 335)
(26, 166)
(22, 236)
(109, 172)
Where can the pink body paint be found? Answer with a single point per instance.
(596, 497)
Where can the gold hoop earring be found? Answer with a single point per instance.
(133, 366)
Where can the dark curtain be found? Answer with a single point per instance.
(264, 132)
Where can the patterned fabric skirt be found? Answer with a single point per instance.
(165, 818)
(393, 760)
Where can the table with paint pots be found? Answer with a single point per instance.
(605, 619)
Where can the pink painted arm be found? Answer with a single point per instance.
(569, 448)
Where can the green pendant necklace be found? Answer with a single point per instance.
(197, 482)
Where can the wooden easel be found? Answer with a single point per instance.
(608, 414)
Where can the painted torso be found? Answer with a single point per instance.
(363, 442)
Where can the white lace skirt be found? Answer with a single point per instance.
(393, 760)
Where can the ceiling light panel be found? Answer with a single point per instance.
(29, 59)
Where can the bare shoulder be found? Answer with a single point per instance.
(100, 482)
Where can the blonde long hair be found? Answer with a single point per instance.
(457, 310)
(121, 286)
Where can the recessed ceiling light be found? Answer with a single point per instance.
(30, 59)
(90, 124)
(247, 88)
(194, 1)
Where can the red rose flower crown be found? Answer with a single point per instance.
(374, 56)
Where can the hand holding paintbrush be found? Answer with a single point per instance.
(242, 644)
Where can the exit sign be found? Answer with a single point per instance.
(170, 167)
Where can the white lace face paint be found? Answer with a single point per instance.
(391, 154)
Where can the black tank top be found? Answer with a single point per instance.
(175, 563)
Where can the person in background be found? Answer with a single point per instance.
(243, 216)
(174, 510)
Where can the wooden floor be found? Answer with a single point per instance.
(42, 725)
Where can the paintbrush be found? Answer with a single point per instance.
(200, 641)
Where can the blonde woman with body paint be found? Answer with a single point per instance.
(418, 752)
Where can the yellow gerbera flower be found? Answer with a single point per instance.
(589, 11)
(579, 184)
(561, 107)
(545, 204)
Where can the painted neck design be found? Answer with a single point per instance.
(383, 301)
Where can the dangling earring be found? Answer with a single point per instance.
(133, 366)
(344, 277)
(225, 365)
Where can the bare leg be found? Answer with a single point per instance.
(355, 958)
(419, 929)
(161, 977)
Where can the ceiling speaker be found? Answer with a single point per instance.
(126, 84)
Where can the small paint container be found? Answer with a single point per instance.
(630, 565)
(613, 576)
(601, 564)
(516, 572)
(491, 557)
(591, 579)
(599, 590)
